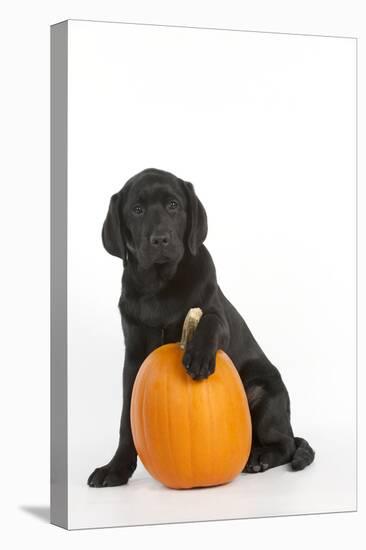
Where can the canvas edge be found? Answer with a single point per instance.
(58, 254)
(59, 442)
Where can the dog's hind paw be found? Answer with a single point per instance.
(257, 461)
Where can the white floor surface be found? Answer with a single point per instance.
(328, 485)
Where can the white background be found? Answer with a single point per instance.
(264, 126)
(25, 240)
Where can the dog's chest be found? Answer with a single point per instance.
(155, 312)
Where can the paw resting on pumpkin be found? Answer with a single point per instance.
(199, 362)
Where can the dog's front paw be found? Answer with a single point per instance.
(199, 363)
(111, 475)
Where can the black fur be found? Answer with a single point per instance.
(157, 225)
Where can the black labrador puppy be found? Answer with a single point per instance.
(157, 225)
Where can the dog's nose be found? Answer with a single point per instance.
(160, 239)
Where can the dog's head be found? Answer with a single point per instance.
(155, 217)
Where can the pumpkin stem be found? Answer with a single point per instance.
(190, 324)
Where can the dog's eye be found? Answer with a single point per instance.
(137, 209)
(172, 205)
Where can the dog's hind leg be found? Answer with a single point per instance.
(273, 440)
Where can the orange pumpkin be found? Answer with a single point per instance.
(190, 433)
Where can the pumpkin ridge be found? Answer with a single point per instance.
(212, 454)
(145, 441)
(232, 400)
(233, 409)
(190, 429)
(232, 405)
(169, 431)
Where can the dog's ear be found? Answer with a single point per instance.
(112, 232)
(197, 220)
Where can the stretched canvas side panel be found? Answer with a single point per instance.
(59, 509)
